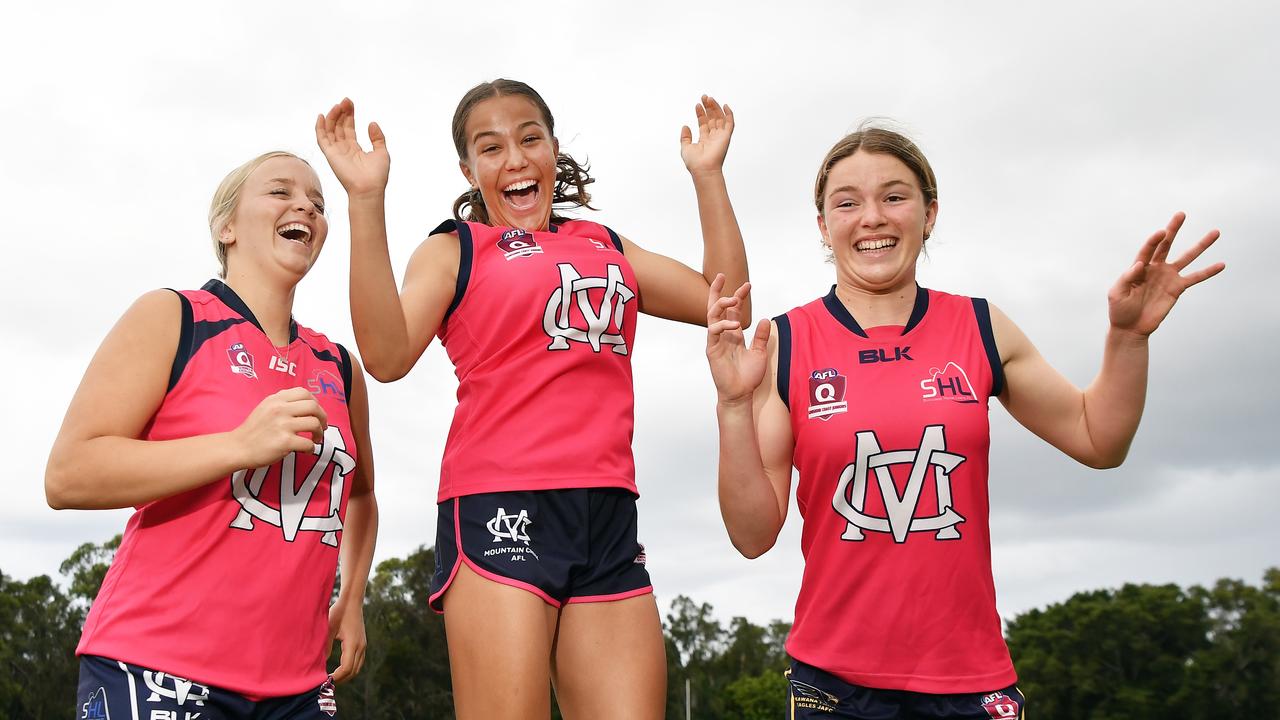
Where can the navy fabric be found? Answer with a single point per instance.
(814, 693)
(109, 689)
(568, 544)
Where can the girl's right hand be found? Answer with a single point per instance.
(736, 368)
(288, 421)
(360, 172)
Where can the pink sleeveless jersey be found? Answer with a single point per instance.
(541, 332)
(229, 584)
(891, 440)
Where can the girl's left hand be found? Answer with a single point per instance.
(1147, 291)
(715, 127)
(346, 625)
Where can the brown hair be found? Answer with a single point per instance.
(572, 178)
(873, 139)
(227, 197)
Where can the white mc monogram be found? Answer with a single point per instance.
(574, 287)
(292, 517)
(899, 517)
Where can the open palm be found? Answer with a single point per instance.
(715, 128)
(1146, 292)
(360, 172)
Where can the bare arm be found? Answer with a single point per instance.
(668, 288)
(755, 429)
(360, 531)
(97, 460)
(1095, 426)
(392, 329)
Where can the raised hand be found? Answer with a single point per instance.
(360, 172)
(288, 421)
(715, 128)
(1147, 291)
(736, 368)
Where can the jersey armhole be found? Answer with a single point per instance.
(613, 237)
(464, 261)
(185, 349)
(784, 359)
(983, 314)
(346, 370)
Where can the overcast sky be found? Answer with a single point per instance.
(1061, 136)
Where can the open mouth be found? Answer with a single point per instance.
(866, 246)
(297, 232)
(521, 195)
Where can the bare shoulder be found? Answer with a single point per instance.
(438, 254)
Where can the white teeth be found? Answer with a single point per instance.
(876, 244)
(520, 185)
(295, 227)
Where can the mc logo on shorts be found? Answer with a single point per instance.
(291, 517)
(900, 520)
(608, 313)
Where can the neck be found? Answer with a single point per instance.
(271, 303)
(874, 307)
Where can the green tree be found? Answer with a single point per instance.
(406, 670)
(1238, 674)
(39, 629)
(757, 697)
(1110, 654)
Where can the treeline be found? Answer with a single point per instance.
(1143, 651)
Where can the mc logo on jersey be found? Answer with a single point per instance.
(600, 317)
(949, 383)
(826, 393)
(241, 361)
(291, 516)
(900, 510)
(518, 244)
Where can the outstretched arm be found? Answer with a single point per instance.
(1095, 426)
(668, 288)
(755, 430)
(392, 329)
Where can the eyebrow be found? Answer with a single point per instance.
(854, 188)
(476, 138)
(289, 181)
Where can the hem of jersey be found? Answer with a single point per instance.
(613, 597)
(184, 672)
(933, 685)
(496, 486)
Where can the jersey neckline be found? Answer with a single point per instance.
(223, 292)
(845, 318)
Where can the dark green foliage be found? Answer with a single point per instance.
(406, 670)
(1143, 651)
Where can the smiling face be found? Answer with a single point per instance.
(874, 219)
(511, 160)
(278, 222)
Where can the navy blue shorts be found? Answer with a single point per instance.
(818, 694)
(112, 690)
(564, 546)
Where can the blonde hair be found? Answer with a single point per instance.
(227, 197)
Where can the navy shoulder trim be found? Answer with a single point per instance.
(983, 313)
(617, 241)
(784, 359)
(465, 251)
(346, 370)
(447, 226)
(185, 346)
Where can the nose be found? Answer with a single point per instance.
(872, 215)
(305, 205)
(516, 159)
